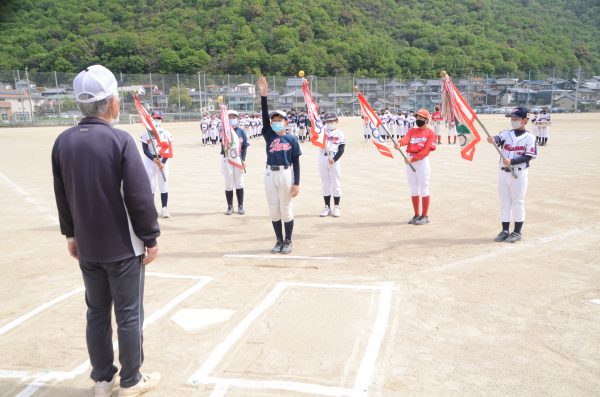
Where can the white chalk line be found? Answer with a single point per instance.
(29, 199)
(276, 256)
(220, 390)
(366, 367)
(507, 248)
(41, 379)
(39, 309)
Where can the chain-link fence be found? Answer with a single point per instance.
(47, 98)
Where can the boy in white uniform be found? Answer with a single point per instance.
(154, 163)
(329, 167)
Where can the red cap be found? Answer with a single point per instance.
(423, 113)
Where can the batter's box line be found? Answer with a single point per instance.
(366, 368)
(40, 379)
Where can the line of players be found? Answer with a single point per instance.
(298, 125)
(541, 122)
(399, 123)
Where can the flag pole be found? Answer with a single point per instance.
(226, 150)
(390, 136)
(443, 75)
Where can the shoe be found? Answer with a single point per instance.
(164, 213)
(513, 238)
(229, 210)
(336, 211)
(325, 211)
(287, 247)
(241, 210)
(423, 220)
(105, 388)
(147, 383)
(413, 220)
(277, 248)
(502, 236)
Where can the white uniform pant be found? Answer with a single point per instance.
(543, 131)
(512, 195)
(234, 177)
(278, 187)
(154, 173)
(535, 130)
(452, 131)
(437, 128)
(419, 181)
(330, 177)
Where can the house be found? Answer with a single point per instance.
(504, 84)
(15, 106)
(567, 102)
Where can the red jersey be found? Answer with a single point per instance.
(420, 142)
(437, 116)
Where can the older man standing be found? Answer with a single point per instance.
(107, 215)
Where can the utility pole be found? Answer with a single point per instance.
(528, 87)
(58, 99)
(29, 94)
(552, 94)
(577, 89)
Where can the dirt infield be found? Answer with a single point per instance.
(367, 305)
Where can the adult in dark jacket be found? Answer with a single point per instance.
(107, 215)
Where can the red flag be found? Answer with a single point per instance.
(373, 122)
(166, 149)
(317, 129)
(231, 141)
(454, 107)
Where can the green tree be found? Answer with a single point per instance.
(180, 95)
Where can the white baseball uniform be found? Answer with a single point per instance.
(330, 173)
(151, 168)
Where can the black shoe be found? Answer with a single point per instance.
(241, 210)
(229, 210)
(502, 236)
(513, 238)
(277, 248)
(287, 247)
(423, 220)
(414, 218)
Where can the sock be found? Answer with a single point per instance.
(239, 194)
(454, 140)
(518, 226)
(505, 226)
(164, 197)
(289, 228)
(545, 141)
(229, 197)
(425, 200)
(277, 228)
(336, 200)
(439, 139)
(415, 203)
(327, 201)
(448, 139)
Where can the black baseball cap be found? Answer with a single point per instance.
(520, 112)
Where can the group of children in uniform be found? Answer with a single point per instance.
(281, 132)
(541, 122)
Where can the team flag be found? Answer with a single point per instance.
(166, 149)
(230, 140)
(317, 129)
(456, 109)
(373, 122)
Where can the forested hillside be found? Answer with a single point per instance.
(323, 37)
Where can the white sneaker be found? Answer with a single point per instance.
(147, 383)
(325, 211)
(164, 213)
(336, 211)
(105, 389)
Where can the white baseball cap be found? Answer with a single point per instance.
(93, 84)
(232, 113)
(278, 112)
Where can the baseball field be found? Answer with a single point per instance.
(366, 305)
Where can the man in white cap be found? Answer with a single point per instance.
(234, 177)
(108, 216)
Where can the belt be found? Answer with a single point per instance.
(277, 167)
(507, 169)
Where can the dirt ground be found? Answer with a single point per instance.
(367, 305)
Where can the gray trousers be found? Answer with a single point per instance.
(121, 283)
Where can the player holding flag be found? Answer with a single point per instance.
(317, 128)
(234, 142)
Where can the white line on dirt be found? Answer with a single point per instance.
(28, 198)
(272, 256)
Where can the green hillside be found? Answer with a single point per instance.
(324, 37)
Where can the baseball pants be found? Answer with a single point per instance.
(121, 283)
(512, 195)
(234, 177)
(543, 131)
(154, 173)
(437, 128)
(330, 177)
(419, 181)
(452, 131)
(278, 187)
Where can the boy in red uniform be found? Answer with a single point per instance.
(436, 121)
(420, 141)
